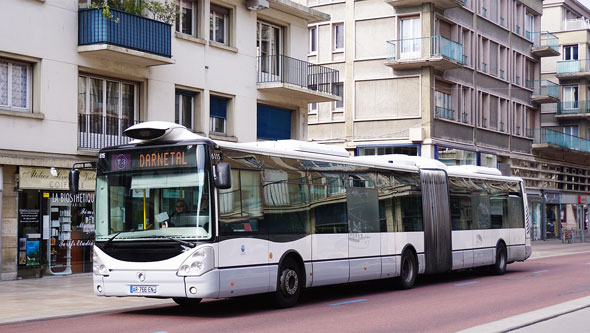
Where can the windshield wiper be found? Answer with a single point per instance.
(110, 240)
(185, 243)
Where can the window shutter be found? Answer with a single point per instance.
(273, 123)
(218, 107)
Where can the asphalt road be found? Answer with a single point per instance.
(440, 303)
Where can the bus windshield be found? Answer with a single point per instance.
(158, 203)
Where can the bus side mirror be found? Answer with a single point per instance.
(74, 181)
(223, 176)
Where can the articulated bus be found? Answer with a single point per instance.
(281, 216)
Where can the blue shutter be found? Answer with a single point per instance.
(218, 107)
(273, 123)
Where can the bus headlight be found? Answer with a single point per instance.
(99, 267)
(199, 263)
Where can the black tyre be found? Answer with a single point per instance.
(187, 302)
(499, 268)
(289, 284)
(408, 271)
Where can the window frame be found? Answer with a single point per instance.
(28, 100)
(178, 113)
(339, 105)
(313, 40)
(195, 21)
(337, 30)
(217, 11)
(213, 120)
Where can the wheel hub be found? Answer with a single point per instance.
(290, 282)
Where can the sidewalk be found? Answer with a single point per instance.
(63, 296)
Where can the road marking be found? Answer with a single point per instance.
(349, 302)
(543, 271)
(465, 283)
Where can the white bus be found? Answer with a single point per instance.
(293, 215)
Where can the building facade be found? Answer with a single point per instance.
(72, 79)
(459, 81)
(562, 147)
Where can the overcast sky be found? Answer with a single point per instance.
(585, 2)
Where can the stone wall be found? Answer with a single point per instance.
(9, 225)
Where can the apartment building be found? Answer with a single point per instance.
(72, 79)
(459, 81)
(562, 146)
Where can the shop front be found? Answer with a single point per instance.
(552, 215)
(535, 209)
(55, 228)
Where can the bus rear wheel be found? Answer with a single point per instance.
(408, 271)
(289, 284)
(499, 268)
(186, 302)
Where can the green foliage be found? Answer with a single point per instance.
(160, 11)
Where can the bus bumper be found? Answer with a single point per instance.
(157, 284)
(528, 251)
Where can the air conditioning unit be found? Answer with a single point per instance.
(257, 5)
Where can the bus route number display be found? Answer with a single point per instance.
(154, 159)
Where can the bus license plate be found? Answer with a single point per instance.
(142, 290)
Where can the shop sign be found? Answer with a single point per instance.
(41, 179)
(583, 199)
(28, 215)
(552, 198)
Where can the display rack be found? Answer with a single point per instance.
(60, 258)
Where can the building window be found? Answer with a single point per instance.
(107, 106)
(454, 156)
(313, 108)
(184, 108)
(273, 123)
(15, 86)
(219, 24)
(388, 150)
(570, 52)
(570, 97)
(443, 105)
(187, 17)
(339, 91)
(269, 48)
(218, 114)
(529, 25)
(338, 36)
(313, 40)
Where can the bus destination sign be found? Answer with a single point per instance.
(171, 157)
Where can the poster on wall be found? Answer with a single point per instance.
(22, 257)
(28, 215)
(22, 244)
(33, 253)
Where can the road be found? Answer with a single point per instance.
(439, 303)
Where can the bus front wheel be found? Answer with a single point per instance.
(289, 284)
(408, 270)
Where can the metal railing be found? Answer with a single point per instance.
(125, 30)
(280, 68)
(545, 88)
(572, 66)
(444, 113)
(547, 136)
(543, 38)
(422, 47)
(96, 131)
(573, 107)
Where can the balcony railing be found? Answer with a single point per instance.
(545, 88)
(547, 136)
(572, 66)
(303, 74)
(444, 113)
(543, 38)
(433, 46)
(575, 24)
(573, 107)
(124, 30)
(96, 131)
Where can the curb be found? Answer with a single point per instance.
(530, 318)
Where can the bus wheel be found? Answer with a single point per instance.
(409, 271)
(288, 284)
(186, 302)
(499, 267)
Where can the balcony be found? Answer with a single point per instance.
(575, 24)
(442, 4)
(545, 44)
(96, 131)
(437, 51)
(573, 69)
(573, 109)
(297, 78)
(544, 91)
(552, 143)
(124, 38)
(443, 113)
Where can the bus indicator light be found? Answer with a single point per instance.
(271, 255)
